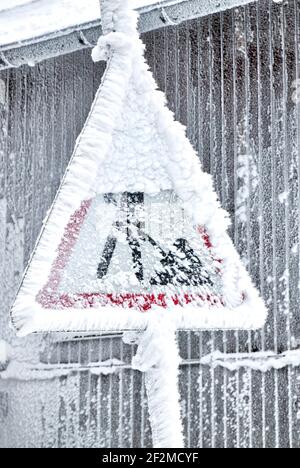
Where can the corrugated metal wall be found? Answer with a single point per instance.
(230, 78)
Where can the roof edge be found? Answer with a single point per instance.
(78, 37)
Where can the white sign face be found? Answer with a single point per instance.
(133, 250)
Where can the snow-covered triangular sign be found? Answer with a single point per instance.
(136, 239)
(136, 230)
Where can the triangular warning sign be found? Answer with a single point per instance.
(136, 229)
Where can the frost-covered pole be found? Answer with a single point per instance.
(117, 16)
(106, 16)
(158, 357)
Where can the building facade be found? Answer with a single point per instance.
(233, 78)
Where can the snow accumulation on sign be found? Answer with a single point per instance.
(136, 230)
(145, 253)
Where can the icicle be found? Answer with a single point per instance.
(158, 357)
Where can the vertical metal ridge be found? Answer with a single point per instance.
(271, 61)
(287, 215)
(261, 225)
(236, 334)
(224, 197)
(296, 379)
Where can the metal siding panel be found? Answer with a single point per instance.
(216, 153)
(295, 310)
(227, 187)
(205, 341)
(256, 378)
(229, 77)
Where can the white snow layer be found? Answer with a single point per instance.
(131, 143)
(4, 353)
(9, 4)
(20, 370)
(261, 361)
(21, 20)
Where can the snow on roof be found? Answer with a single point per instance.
(35, 30)
(24, 19)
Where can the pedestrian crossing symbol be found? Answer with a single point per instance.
(128, 254)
